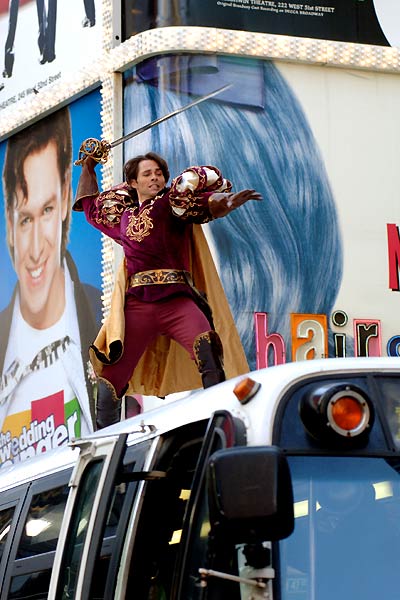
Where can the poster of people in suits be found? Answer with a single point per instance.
(43, 42)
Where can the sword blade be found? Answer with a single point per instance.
(136, 132)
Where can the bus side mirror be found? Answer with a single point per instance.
(250, 494)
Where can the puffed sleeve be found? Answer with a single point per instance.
(190, 191)
(104, 211)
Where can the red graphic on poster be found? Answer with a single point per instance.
(49, 424)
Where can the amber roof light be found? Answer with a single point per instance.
(348, 413)
(337, 411)
(246, 389)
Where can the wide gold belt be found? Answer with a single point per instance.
(158, 276)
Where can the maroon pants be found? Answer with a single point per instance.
(178, 318)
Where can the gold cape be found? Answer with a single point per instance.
(165, 366)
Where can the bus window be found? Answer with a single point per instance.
(161, 520)
(223, 431)
(173, 526)
(102, 565)
(78, 528)
(115, 527)
(36, 538)
(6, 517)
(346, 541)
(43, 522)
(96, 516)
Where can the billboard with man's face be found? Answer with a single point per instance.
(50, 298)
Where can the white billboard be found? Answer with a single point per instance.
(43, 42)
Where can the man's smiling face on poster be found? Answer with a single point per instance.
(35, 231)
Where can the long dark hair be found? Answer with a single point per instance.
(282, 255)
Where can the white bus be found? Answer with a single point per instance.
(280, 485)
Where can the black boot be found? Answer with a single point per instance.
(108, 406)
(208, 353)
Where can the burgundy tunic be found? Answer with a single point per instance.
(154, 235)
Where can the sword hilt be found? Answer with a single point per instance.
(99, 150)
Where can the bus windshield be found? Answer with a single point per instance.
(346, 541)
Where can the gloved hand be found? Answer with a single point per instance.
(97, 149)
(221, 204)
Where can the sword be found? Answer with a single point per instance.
(99, 150)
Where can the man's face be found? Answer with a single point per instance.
(150, 180)
(35, 230)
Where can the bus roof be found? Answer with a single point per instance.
(200, 405)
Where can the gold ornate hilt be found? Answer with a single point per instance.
(99, 150)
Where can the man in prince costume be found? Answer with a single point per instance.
(161, 334)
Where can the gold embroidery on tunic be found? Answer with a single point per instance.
(112, 205)
(140, 224)
(187, 207)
